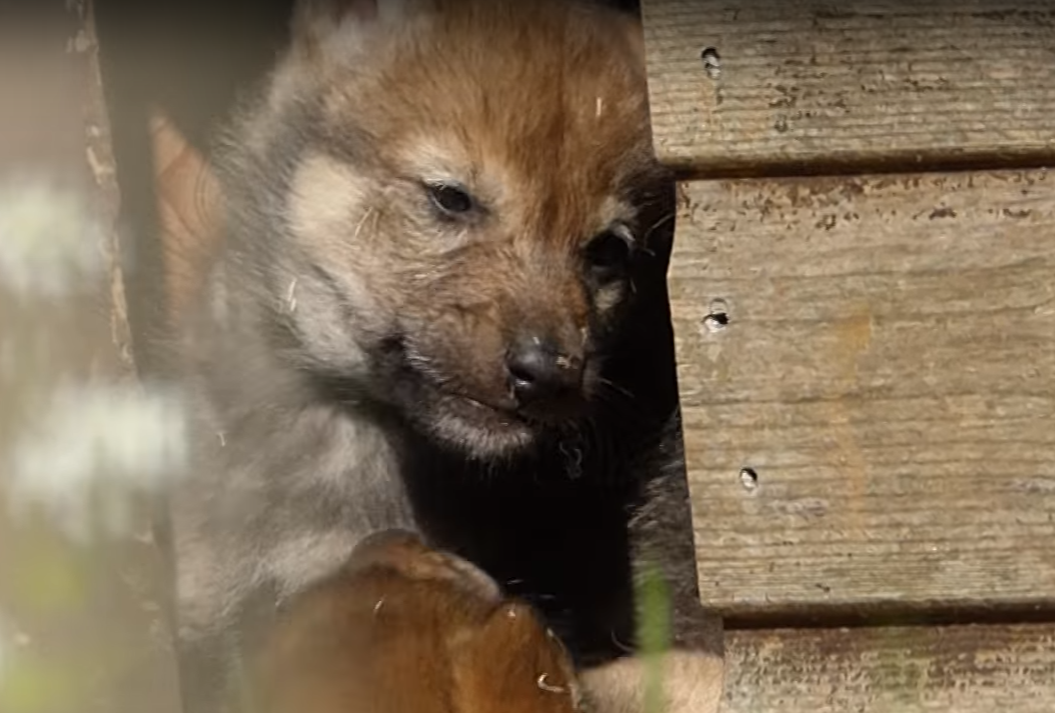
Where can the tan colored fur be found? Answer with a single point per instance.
(691, 683)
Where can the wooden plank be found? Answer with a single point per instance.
(969, 669)
(886, 368)
(84, 590)
(820, 86)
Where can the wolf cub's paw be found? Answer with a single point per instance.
(691, 683)
(405, 553)
(407, 629)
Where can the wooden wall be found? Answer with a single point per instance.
(863, 286)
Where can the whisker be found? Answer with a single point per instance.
(359, 226)
(613, 385)
(626, 648)
(656, 226)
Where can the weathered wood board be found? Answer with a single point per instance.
(963, 669)
(879, 353)
(84, 590)
(823, 86)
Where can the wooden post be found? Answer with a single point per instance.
(84, 447)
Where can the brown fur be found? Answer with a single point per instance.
(555, 154)
(404, 629)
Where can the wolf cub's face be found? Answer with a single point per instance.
(472, 193)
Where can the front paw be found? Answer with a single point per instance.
(406, 629)
(407, 554)
(690, 681)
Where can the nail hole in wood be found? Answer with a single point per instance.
(749, 479)
(717, 317)
(712, 63)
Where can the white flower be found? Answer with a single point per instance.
(118, 439)
(11, 642)
(49, 244)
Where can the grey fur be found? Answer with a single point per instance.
(661, 535)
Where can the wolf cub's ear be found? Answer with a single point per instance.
(318, 24)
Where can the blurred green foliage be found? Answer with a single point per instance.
(653, 633)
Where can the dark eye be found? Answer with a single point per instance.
(609, 252)
(450, 199)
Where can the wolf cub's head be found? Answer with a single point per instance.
(449, 203)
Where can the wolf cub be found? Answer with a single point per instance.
(438, 305)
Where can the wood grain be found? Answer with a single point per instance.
(820, 86)
(887, 371)
(968, 669)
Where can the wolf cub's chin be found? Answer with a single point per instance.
(479, 431)
(460, 422)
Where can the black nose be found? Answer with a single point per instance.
(539, 373)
